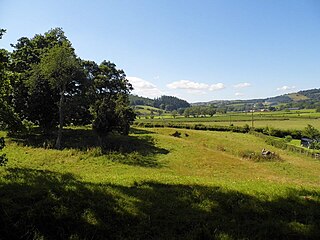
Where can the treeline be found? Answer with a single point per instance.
(198, 111)
(286, 134)
(303, 104)
(312, 94)
(137, 100)
(44, 82)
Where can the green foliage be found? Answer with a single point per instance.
(32, 96)
(137, 100)
(174, 113)
(311, 132)
(44, 83)
(246, 127)
(315, 145)
(3, 158)
(8, 118)
(59, 67)
(288, 138)
(110, 108)
(197, 111)
(258, 157)
(2, 32)
(170, 103)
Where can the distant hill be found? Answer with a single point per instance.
(167, 103)
(137, 100)
(302, 99)
(312, 94)
(170, 103)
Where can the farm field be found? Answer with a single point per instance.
(151, 185)
(297, 119)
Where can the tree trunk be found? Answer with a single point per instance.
(61, 119)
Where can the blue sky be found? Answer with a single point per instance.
(197, 50)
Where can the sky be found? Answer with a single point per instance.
(197, 50)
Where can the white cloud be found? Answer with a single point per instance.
(285, 88)
(242, 85)
(186, 84)
(238, 94)
(144, 88)
(194, 86)
(215, 87)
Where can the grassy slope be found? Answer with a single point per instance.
(146, 109)
(191, 187)
(297, 97)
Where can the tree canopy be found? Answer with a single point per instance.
(44, 82)
(170, 103)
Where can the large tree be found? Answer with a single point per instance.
(110, 108)
(7, 115)
(35, 100)
(50, 86)
(60, 67)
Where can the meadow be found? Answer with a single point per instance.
(294, 119)
(152, 185)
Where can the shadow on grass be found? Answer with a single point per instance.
(38, 204)
(132, 150)
(140, 131)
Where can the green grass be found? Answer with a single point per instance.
(152, 185)
(146, 110)
(297, 119)
(297, 97)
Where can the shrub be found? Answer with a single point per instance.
(288, 138)
(176, 134)
(258, 157)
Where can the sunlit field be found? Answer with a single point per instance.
(297, 119)
(152, 185)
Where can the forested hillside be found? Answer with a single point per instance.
(168, 103)
(138, 100)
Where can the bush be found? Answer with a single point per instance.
(176, 134)
(315, 145)
(258, 157)
(288, 138)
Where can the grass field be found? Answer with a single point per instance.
(146, 110)
(151, 185)
(297, 119)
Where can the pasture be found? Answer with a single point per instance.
(297, 119)
(151, 185)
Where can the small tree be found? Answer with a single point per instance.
(211, 110)
(174, 113)
(186, 112)
(160, 112)
(311, 132)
